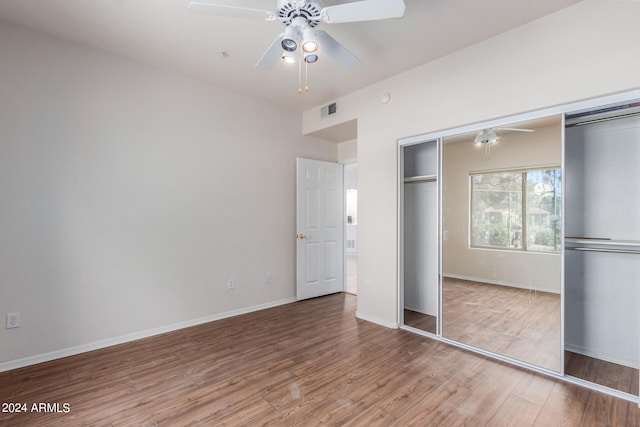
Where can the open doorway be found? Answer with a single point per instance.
(351, 228)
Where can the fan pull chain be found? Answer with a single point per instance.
(299, 77)
(306, 76)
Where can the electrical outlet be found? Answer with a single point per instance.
(13, 320)
(230, 284)
(267, 279)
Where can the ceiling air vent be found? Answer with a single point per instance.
(328, 110)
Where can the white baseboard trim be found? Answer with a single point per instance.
(96, 345)
(377, 320)
(613, 358)
(503, 283)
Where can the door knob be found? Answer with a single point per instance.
(301, 236)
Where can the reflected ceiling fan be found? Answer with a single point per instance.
(488, 136)
(300, 18)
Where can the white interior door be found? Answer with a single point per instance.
(320, 228)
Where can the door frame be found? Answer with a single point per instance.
(344, 163)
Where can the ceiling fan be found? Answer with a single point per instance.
(300, 17)
(487, 137)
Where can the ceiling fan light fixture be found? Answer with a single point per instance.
(288, 57)
(288, 42)
(309, 42)
(310, 58)
(487, 136)
(289, 45)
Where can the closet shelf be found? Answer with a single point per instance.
(421, 178)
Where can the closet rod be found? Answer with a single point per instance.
(618, 251)
(421, 178)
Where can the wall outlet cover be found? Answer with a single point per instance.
(13, 320)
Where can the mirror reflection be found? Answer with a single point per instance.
(501, 220)
(420, 240)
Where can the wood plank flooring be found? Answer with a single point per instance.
(601, 372)
(424, 322)
(518, 323)
(307, 363)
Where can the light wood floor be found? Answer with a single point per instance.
(307, 363)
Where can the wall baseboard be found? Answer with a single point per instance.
(96, 345)
(502, 283)
(377, 320)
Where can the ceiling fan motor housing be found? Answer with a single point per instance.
(309, 10)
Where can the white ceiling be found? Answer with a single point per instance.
(167, 34)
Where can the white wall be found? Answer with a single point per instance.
(129, 195)
(560, 58)
(348, 151)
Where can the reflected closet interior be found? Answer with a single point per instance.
(420, 196)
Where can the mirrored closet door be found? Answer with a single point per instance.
(520, 239)
(501, 240)
(602, 246)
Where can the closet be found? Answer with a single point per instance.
(420, 238)
(602, 246)
(560, 294)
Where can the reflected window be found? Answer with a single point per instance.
(498, 200)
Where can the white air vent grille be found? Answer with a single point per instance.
(328, 110)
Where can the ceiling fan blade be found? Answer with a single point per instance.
(222, 10)
(516, 129)
(271, 55)
(365, 10)
(335, 50)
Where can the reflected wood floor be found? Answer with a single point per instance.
(306, 363)
(601, 372)
(519, 323)
(424, 322)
